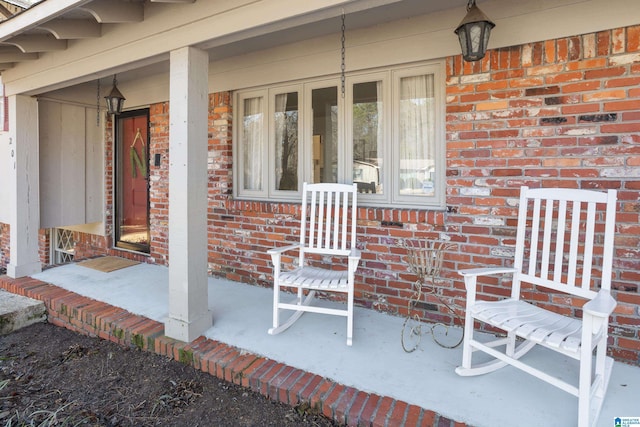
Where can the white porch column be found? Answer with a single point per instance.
(189, 315)
(24, 186)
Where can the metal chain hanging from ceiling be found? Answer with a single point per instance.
(342, 63)
(98, 103)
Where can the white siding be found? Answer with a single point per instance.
(71, 166)
(5, 165)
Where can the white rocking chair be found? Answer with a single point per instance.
(328, 230)
(567, 229)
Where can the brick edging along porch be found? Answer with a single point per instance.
(279, 382)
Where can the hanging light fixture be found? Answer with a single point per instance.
(473, 33)
(115, 99)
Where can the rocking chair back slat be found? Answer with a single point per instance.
(557, 265)
(573, 251)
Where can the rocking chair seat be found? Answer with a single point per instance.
(532, 322)
(316, 278)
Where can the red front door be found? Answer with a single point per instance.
(132, 192)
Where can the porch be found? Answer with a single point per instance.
(375, 365)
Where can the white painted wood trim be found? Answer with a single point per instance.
(188, 151)
(24, 217)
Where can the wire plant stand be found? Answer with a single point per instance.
(425, 261)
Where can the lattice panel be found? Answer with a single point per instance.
(63, 246)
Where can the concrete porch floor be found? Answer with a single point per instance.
(375, 363)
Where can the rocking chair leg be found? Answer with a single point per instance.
(584, 389)
(350, 318)
(467, 351)
(511, 344)
(276, 310)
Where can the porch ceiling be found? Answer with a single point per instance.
(54, 25)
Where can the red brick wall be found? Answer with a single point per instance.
(4, 246)
(558, 113)
(159, 182)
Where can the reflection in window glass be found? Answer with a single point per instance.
(367, 131)
(252, 128)
(325, 134)
(417, 135)
(286, 137)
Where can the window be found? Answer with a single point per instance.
(386, 134)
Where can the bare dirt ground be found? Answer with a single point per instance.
(50, 376)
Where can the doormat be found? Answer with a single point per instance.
(108, 263)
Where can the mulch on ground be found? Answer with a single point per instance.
(52, 376)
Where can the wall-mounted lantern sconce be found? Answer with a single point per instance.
(473, 33)
(115, 100)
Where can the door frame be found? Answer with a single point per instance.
(117, 181)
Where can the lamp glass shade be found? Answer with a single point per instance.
(115, 101)
(473, 33)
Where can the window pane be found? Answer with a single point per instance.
(367, 131)
(417, 136)
(252, 145)
(286, 129)
(325, 134)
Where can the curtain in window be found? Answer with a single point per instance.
(417, 134)
(286, 139)
(253, 148)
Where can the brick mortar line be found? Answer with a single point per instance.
(123, 328)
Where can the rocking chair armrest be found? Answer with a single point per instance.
(601, 306)
(485, 271)
(276, 252)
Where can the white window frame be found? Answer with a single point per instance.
(383, 149)
(302, 149)
(390, 98)
(237, 146)
(438, 199)
(308, 126)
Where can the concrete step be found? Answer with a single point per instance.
(17, 311)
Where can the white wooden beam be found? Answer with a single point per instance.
(13, 54)
(36, 15)
(113, 12)
(5, 13)
(73, 28)
(31, 43)
(189, 315)
(24, 187)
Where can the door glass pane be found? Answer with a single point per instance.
(286, 137)
(325, 134)
(133, 183)
(417, 135)
(252, 145)
(367, 131)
